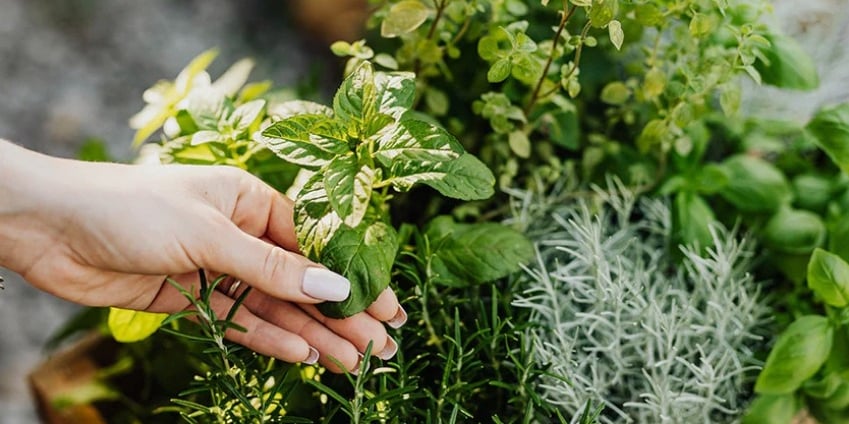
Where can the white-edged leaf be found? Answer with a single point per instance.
(349, 186)
(315, 220)
(617, 36)
(297, 107)
(206, 136)
(207, 108)
(306, 140)
(414, 140)
(232, 80)
(246, 115)
(198, 65)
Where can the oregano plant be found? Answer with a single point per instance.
(358, 149)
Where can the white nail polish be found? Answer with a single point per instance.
(325, 284)
(312, 358)
(389, 350)
(399, 319)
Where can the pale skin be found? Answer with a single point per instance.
(103, 234)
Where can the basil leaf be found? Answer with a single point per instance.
(466, 254)
(315, 220)
(466, 178)
(754, 185)
(129, 326)
(364, 255)
(415, 141)
(794, 231)
(307, 140)
(349, 187)
(828, 277)
(797, 355)
(787, 65)
(691, 220)
(771, 409)
(830, 128)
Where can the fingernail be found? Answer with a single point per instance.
(325, 284)
(312, 358)
(389, 350)
(399, 319)
(356, 370)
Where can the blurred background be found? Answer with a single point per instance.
(73, 70)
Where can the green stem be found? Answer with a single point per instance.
(564, 18)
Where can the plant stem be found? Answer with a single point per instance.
(440, 8)
(564, 18)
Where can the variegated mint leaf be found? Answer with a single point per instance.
(418, 141)
(315, 220)
(396, 92)
(349, 186)
(356, 102)
(245, 115)
(307, 140)
(297, 107)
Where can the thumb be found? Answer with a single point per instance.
(271, 269)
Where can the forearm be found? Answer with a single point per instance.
(25, 178)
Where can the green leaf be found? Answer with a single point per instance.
(466, 178)
(315, 220)
(416, 141)
(615, 93)
(307, 140)
(771, 409)
(794, 231)
(828, 277)
(601, 14)
(129, 326)
(499, 71)
(519, 143)
(364, 255)
(466, 254)
(830, 128)
(526, 68)
(691, 220)
(404, 17)
(349, 186)
(206, 136)
(785, 64)
(754, 185)
(797, 355)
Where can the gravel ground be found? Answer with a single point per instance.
(74, 69)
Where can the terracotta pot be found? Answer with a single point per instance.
(61, 374)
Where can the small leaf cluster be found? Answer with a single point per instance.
(358, 149)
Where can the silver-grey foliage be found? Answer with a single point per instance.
(656, 337)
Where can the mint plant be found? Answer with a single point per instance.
(358, 149)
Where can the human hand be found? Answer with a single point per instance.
(109, 235)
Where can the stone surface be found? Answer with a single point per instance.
(74, 69)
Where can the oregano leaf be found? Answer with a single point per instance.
(364, 255)
(307, 140)
(617, 35)
(403, 17)
(349, 186)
